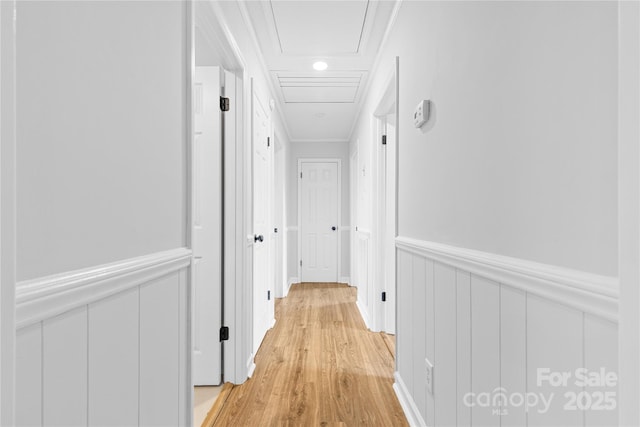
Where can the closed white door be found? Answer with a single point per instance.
(262, 207)
(207, 227)
(318, 204)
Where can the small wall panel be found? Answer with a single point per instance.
(485, 346)
(600, 348)
(444, 386)
(463, 345)
(113, 360)
(65, 369)
(29, 376)
(513, 352)
(159, 353)
(430, 337)
(554, 334)
(420, 321)
(404, 341)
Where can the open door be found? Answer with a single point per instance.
(262, 158)
(207, 226)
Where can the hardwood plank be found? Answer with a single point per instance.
(318, 366)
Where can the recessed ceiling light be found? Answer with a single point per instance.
(320, 66)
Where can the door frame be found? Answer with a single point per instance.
(237, 259)
(387, 105)
(302, 160)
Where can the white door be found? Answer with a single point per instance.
(207, 227)
(262, 207)
(318, 204)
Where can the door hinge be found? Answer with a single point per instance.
(224, 103)
(300, 263)
(384, 139)
(224, 333)
(268, 141)
(268, 295)
(384, 296)
(300, 175)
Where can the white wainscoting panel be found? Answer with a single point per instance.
(599, 338)
(488, 323)
(362, 279)
(109, 348)
(421, 272)
(555, 339)
(64, 357)
(463, 346)
(159, 352)
(29, 372)
(445, 344)
(485, 344)
(513, 350)
(113, 360)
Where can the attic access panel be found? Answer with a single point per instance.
(320, 27)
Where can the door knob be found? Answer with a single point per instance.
(258, 238)
(333, 228)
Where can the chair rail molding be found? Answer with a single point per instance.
(43, 298)
(591, 293)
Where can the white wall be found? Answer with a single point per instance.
(102, 299)
(521, 160)
(101, 155)
(518, 166)
(319, 150)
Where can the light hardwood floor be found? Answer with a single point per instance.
(319, 366)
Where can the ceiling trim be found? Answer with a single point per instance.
(375, 66)
(265, 70)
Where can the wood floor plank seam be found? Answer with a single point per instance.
(319, 366)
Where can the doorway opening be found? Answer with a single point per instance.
(386, 115)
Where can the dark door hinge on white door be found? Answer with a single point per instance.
(224, 103)
(300, 175)
(300, 263)
(268, 141)
(384, 139)
(224, 333)
(384, 296)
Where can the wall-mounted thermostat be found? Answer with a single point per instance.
(421, 115)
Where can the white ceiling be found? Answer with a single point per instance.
(293, 34)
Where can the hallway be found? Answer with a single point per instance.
(318, 366)
(264, 193)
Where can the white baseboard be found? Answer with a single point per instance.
(414, 418)
(345, 279)
(251, 366)
(292, 281)
(364, 313)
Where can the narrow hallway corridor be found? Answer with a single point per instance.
(318, 366)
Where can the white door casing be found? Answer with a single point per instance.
(207, 227)
(262, 200)
(318, 205)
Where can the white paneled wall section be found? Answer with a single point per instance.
(488, 324)
(106, 346)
